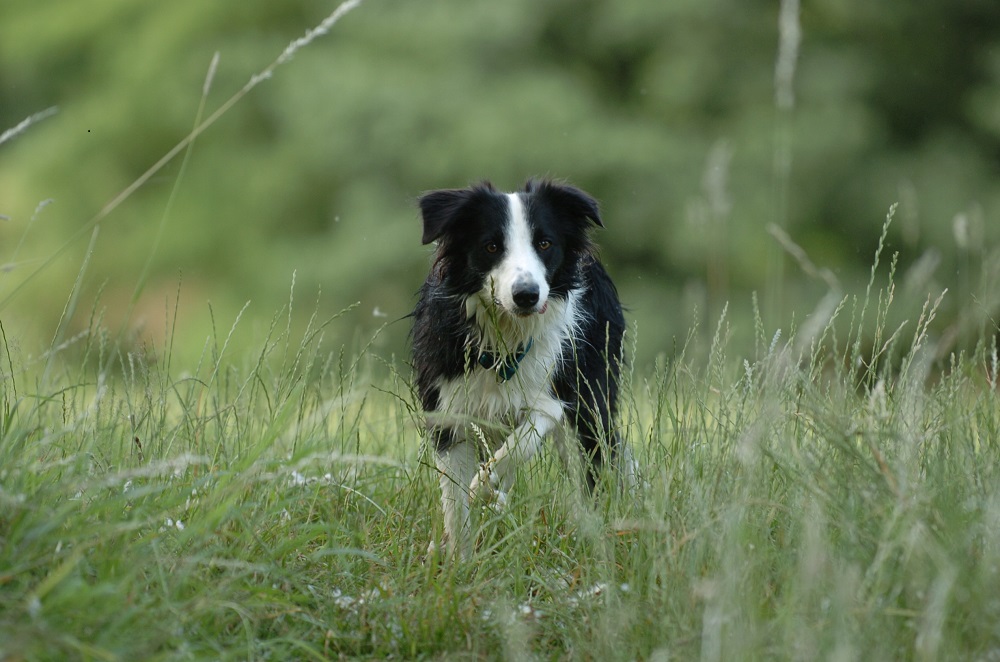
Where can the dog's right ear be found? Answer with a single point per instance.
(439, 209)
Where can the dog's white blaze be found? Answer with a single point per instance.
(520, 260)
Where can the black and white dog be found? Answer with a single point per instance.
(518, 328)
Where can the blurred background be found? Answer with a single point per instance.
(706, 128)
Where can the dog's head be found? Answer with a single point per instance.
(516, 250)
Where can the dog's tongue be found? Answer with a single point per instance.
(545, 306)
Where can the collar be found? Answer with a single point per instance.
(505, 366)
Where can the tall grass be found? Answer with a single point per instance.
(834, 495)
(816, 500)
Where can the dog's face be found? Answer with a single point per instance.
(514, 249)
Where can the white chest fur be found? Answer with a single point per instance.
(480, 397)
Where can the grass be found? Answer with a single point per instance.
(815, 501)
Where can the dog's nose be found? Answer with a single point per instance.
(525, 294)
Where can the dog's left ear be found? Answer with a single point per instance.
(439, 209)
(570, 200)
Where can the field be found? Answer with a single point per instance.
(826, 489)
(814, 500)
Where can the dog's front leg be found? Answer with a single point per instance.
(456, 468)
(497, 475)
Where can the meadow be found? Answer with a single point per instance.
(814, 500)
(821, 488)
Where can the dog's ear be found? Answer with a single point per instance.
(570, 200)
(442, 209)
(439, 209)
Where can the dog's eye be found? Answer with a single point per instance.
(544, 244)
(491, 247)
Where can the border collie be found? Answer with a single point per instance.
(517, 331)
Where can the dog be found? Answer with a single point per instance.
(518, 331)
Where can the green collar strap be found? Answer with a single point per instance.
(505, 366)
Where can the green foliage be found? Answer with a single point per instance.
(665, 111)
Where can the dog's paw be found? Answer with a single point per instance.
(482, 485)
(485, 490)
(495, 503)
(440, 552)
